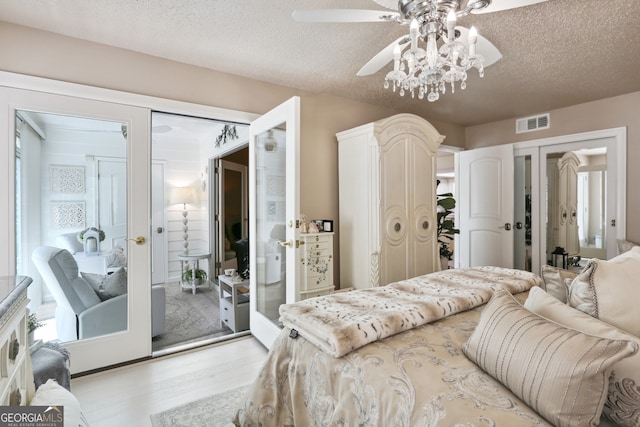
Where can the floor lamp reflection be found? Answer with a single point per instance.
(183, 196)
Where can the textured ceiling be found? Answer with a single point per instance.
(557, 53)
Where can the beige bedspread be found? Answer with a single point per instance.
(340, 323)
(418, 377)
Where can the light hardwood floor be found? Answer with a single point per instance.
(128, 395)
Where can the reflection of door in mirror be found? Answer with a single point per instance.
(522, 250)
(72, 177)
(232, 205)
(591, 210)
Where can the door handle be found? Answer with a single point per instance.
(288, 243)
(159, 230)
(506, 226)
(519, 225)
(139, 240)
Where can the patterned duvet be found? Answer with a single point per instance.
(418, 377)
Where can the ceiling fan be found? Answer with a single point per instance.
(450, 50)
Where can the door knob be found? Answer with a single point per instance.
(159, 230)
(506, 226)
(139, 240)
(519, 225)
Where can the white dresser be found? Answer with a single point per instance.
(16, 377)
(317, 261)
(387, 183)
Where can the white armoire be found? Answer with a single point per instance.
(387, 184)
(565, 220)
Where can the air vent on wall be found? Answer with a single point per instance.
(529, 124)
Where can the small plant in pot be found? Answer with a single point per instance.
(200, 276)
(446, 225)
(32, 324)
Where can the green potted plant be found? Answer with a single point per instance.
(446, 225)
(32, 324)
(200, 276)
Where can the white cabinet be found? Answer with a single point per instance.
(387, 198)
(317, 261)
(234, 303)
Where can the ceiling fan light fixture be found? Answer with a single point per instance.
(444, 60)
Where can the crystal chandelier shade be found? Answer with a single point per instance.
(436, 56)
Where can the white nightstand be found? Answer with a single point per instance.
(234, 303)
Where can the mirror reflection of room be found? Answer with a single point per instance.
(271, 207)
(71, 188)
(199, 199)
(71, 191)
(576, 206)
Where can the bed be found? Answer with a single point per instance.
(438, 350)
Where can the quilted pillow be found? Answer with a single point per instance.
(110, 286)
(609, 291)
(561, 373)
(554, 281)
(623, 400)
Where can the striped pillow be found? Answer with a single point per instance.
(559, 372)
(623, 400)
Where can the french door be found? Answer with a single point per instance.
(62, 178)
(274, 208)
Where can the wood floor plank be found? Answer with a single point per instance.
(128, 395)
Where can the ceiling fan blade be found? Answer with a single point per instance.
(498, 5)
(389, 4)
(484, 47)
(343, 15)
(383, 57)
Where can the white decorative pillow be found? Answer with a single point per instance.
(108, 286)
(560, 373)
(53, 394)
(610, 291)
(554, 281)
(623, 400)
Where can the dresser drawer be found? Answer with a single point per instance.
(316, 293)
(227, 314)
(314, 245)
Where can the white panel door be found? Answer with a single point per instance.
(485, 208)
(274, 209)
(112, 202)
